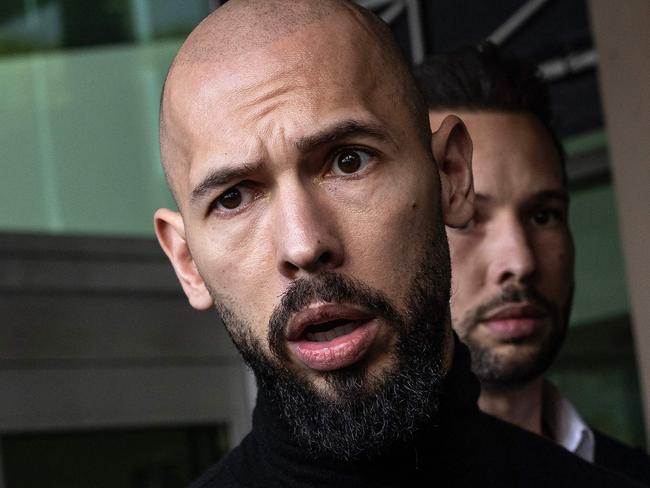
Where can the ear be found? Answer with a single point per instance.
(452, 150)
(170, 231)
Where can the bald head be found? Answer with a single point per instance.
(245, 37)
(244, 25)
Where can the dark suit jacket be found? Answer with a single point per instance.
(616, 456)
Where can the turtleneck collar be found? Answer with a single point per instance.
(439, 444)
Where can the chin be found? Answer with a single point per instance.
(362, 376)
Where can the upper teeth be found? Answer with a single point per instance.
(333, 333)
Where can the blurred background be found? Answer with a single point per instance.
(107, 377)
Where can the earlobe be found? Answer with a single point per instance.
(170, 231)
(452, 150)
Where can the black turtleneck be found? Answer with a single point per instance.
(460, 447)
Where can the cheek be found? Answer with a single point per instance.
(466, 261)
(468, 274)
(385, 233)
(227, 272)
(558, 269)
(555, 257)
(555, 253)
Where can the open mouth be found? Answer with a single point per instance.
(326, 337)
(330, 330)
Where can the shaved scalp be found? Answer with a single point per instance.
(241, 26)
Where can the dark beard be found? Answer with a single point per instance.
(365, 415)
(501, 374)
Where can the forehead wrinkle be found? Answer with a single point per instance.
(225, 42)
(297, 58)
(263, 97)
(238, 28)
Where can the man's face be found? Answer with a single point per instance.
(311, 210)
(512, 265)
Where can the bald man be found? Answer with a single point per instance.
(312, 216)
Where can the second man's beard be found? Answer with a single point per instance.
(499, 373)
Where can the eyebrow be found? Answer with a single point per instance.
(342, 130)
(542, 196)
(222, 176)
(545, 195)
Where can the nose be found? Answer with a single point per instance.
(512, 258)
(305, 236)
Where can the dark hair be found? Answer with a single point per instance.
(482, 77)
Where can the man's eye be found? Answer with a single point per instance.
(544, 217)
(233, 198)
(350, 161)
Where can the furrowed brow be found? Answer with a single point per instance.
(221, 177)
(342, 130)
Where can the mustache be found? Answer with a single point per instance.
(326, 287)
(511, 295)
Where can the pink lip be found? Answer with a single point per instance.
(337, 353)
(320, 313)
(515, 321)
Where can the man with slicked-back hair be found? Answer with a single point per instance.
(513, 264)
(311, 215)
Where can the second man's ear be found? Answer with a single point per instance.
(452, 150)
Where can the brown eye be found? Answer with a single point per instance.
(350, 161)
(546, 217)
(231, 199)
(234, 200)
(541, 218)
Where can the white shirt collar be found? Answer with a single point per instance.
(566, 425)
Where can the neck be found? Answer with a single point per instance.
(521, 406)
(431, 449)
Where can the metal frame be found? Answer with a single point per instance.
(553, 69)
(556, 69)
(516, 21)
(390, 10)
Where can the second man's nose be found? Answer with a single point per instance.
(513, 258)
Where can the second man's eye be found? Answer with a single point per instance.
(350, 161)
(231, 199)
(546, 217)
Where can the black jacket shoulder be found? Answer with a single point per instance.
(616, 456)
(219, 474)
(542, 463)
